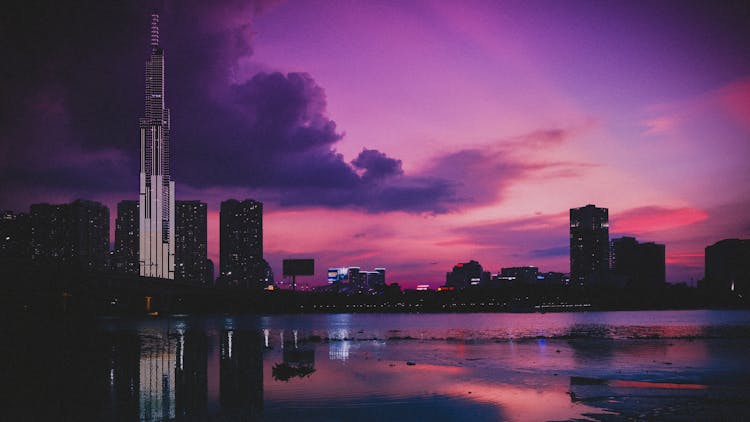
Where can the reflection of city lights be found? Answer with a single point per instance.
(542, 343)
(295, 338)
(339, 350)
(228, 323)
(182, 348)
(282, 339)
(229, 343)
(157, 383)
(111, 377)
(265, 335)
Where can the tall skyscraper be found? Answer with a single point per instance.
(126, 238)
(241, 243)
(156, 199)
(191, 247)
(589, 245)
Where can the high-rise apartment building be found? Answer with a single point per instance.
(156, 198)
(75, 234)
(642, 265)
(241, 243)
(15, 240)
(589, 245)
(126, 238)
(728, 265)
(191, 241)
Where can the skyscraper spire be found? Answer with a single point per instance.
(154, 30)
(156, 198)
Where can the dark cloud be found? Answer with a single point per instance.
(376, 165)
(73, 93)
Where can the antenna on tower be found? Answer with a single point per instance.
(154, 30)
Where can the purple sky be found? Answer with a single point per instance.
(410, 136)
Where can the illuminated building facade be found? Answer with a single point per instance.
(156, 197)
(357, 279)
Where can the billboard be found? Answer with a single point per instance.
(292, 267)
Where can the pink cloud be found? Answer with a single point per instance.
(735, 98)
(654, 218)
(661, 124)
(731, 100)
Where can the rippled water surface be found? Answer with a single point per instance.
(554, 366)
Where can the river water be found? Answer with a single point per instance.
(556, 366)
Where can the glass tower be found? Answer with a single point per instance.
(156, 198)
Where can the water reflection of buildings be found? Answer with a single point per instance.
(157, 389)
(339, 350)
(191, 374)
(298, 360)
(156, 375)
(122, 375)
(241, 374)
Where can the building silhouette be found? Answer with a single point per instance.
(125, 257)
(639, 265)
(191, 242)
(156, 197)
(466, 274)
(73, 235)
(241, 244)
(15, 240)
(521, 274)
(728, 265)
(589, 245)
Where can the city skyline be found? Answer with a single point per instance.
(409, 137)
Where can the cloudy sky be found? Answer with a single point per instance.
(411, 135)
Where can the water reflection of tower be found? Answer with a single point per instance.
(156, 385)
(191, 374)
(241, 374)
(123, 377)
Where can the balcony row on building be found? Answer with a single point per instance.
(76, 235)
